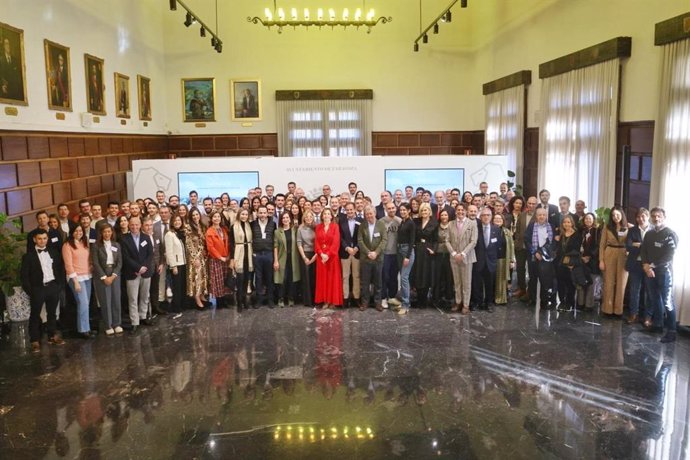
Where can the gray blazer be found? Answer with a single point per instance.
(375, 242)
(465, 241)
(99, 260)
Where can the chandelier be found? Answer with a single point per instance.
(359, 17)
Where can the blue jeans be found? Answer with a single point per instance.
(405, 275)
(636, 280)
(389, 282)
(660, 291)
(82, 297)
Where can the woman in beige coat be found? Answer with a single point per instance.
(241, 262)
(612, 262)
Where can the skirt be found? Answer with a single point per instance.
(218, 271)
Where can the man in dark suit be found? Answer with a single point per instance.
(349, 254)
(551, 209)
(564, 210)
(489, 241)
(371, 240)
(54, 239)
(441, 205)
(43, 277)
(137, 268)
(263, 230)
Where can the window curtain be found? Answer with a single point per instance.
(671, 162)
(577, 137)
(505, 127)
(334, 128)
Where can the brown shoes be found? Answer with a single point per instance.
(465, 310)
(362, 306)
(379, 307)
(455, 307)
(632, 319)
(56, 340)
(35, 347)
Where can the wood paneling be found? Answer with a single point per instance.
(8, 175)
(58, 147)
(75, 145)
(14, 148)
(38, 147)
(62, 192)
(28, 173)
(18, 201)
(41, 197)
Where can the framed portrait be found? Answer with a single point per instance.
(12, 68)
(121, 95)
(199, 99)
(245, 98)
(144, 97)
(58, 76)
(95, 85)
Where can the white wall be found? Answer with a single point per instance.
(569, 26)
(438, 88)
(128, 34)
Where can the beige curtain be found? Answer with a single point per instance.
(505, 127)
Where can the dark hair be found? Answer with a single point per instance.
(84, 238)
(194, 192)
(207, 198)
(465, 194)
(512, 201)
(280, 219)
(455, 190)
(100, 226)
(193, 225)
(658, 209)
(42, 211)
(351, 183)
(82, 201)
(611, 225)
(243, 200)
(40, 231)
(406, 206)
(277, 195)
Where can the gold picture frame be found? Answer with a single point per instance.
(144, 97)
(122, 101)
(58, 76)
(12, 66)
(245, 100)
(198, 99)
(95, 84)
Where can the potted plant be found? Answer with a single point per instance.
(12, 248)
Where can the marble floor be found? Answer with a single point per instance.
(296, 383)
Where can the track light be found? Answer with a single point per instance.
(416, 47)
(188, 20)
(219, 47)
(436, 28)
(202, 32)
(214, 42)
(463, 3)
(425, 38)
(173, 5)
(449, 16)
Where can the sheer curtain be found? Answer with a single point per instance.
(323, 128)
(505, 126)
(671, 162)
(577, 138)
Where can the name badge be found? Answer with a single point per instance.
(377, 234)
(113, 248)
(144, 243)
(658, 245)
(92, 240)
(493, 240)
(621, 233)
(158, 241)
(54, 239)
(356, 223)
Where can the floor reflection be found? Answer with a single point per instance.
(299, 383)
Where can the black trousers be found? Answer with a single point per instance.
(50, 295)
(179, 289)
(263, 271)
(545, 273)
(370, 273)
(308, 275)
(483, 286)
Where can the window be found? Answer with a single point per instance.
(324, 128)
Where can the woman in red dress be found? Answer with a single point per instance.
(329, 284)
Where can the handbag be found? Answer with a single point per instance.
(231, 280)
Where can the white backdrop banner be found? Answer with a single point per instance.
(212, 176)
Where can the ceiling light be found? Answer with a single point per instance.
(202, 32)
(355, 19)
(173, 5)
(425, 38)
(188, 20)
(436, 28)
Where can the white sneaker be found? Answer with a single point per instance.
(384, 303)
(118, 330)
(394, 302)
(109, 332)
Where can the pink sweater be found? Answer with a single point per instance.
(77, 261)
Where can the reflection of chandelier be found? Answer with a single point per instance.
(358, 19)
(311, 433)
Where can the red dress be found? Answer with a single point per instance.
(329, 283)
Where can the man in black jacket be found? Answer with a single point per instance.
(137, 268)
(262, 244)
(43, 277)
(349, 255)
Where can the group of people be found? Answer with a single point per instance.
(415, 248)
